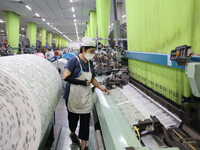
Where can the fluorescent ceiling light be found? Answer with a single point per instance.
(74, 15)
(72, 9)
(28, 7)
(43, 19)
(2, 30)
(112, 24)
(51, 26)
(74, 20)
(70, 1)
(22, 29)
(48, 23)
(1, 21)
(37, 14)
(123, 16)
(75, 24)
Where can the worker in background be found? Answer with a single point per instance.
(79, 73)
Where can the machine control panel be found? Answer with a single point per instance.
(181, 54)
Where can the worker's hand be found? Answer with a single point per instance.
(105, 90)
(88, 83)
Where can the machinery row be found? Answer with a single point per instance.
(133, 117)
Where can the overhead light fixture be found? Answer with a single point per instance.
(2, 30)
(71, 1)
(123, 16)
(75, 24)
(43, 19)
(37, 14)
(72, 9)
(74, 20)
(51, 26)
(74, 15)
(112, 24)
(22, 29)
(1, 21)
(48, 23)
(28, 7)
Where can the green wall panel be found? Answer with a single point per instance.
(93, 24)
(159, 26)
(88, 29)
(103, 17)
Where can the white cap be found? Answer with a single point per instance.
(87, 41)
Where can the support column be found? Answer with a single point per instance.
(67, 43)
(88, 29)
(32, 32)
(56, 38)
(12, 29)
(27, 35)
(43, 37)
(93, 24)
(60, 42)
(103, 16)
(86, 32)
(50, 39)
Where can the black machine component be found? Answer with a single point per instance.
(182, 137)
(5, 51)
(118, 79)
(181, 54)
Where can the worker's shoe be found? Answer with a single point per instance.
(75, 140)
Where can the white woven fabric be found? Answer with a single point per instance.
(30, 87)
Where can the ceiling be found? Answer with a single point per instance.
(57, 12)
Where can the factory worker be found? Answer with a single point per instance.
(79, 73)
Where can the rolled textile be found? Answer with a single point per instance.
(30, 87)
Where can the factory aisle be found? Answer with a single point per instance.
(61, 123)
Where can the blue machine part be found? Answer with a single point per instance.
(68, 55)
(156, 58)
(161, 59)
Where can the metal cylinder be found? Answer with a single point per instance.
(30, 87)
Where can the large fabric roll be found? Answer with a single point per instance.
(60, 65)
(30, 87)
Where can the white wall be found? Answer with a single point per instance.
(75, 45)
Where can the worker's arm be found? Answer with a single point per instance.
(96, 84)
(72, 80)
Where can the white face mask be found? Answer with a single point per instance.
(89, 56)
